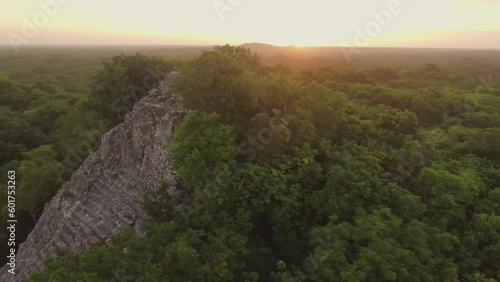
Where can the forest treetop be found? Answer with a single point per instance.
(385, 174)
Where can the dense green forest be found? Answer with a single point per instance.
(324, 174)
(301, 171)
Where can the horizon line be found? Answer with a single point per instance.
(246, 43)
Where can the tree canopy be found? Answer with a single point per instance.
(330, 175)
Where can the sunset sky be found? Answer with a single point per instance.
(412, 23)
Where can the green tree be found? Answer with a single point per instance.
(122, 82)
(202, 147)
(38, 182)
(222, 81)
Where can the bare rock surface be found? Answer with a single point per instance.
(104, 193)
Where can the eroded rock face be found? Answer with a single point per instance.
(104, 193)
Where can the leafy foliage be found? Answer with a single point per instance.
(333, 175)
(124, 81)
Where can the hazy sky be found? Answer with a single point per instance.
(420, 23)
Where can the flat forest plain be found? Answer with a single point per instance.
(44, 92)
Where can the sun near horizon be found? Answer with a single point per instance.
(395, 23)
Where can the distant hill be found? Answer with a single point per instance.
(262, 48)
